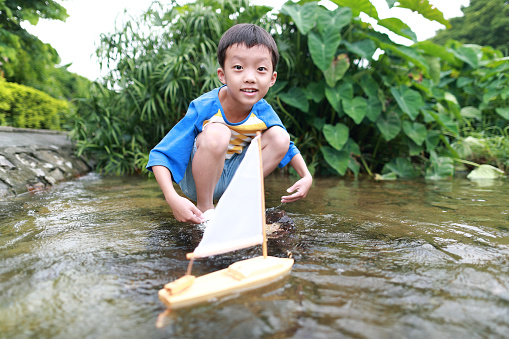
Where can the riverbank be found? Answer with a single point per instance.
(36, 159)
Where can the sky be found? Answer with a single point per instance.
(78, 37)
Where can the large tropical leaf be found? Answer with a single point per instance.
(485, 172)
(467, 55)
(338, 160)
(402, 167)
(323, 47)
(358, 6)
(424, 8)
(304, 16)
(337, 19)
(355, 108)
(440, 168)
(503, 112)
(296, 97)
(374, 109)
(399, 27)
(364, 48)
(415, 131)
(389, 125)
(337, 69)
(336, 135)
(409, 101)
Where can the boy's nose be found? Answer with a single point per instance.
(249, 77)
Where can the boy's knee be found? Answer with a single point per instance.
(214, 137)
(278, 138)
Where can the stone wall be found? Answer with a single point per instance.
(35, 159)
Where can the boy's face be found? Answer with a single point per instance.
(247, 73)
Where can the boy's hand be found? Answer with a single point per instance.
(301, 187)
(185, 211)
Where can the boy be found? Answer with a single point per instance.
(203, 150)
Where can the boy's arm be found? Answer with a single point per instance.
(302, 186)
(183, 209)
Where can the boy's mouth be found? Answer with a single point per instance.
(249, 90)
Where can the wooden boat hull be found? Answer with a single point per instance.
(240, 276)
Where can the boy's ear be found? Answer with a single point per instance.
(273, 79)
(220, 75)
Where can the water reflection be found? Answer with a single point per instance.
(373, 259)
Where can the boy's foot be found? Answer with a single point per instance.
(207, 215)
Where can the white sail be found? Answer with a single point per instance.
(238, 219)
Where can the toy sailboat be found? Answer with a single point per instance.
(234, 226)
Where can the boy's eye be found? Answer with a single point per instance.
(262, 69)
(237, 67)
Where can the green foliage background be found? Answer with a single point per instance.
(26, 107)
(353, 100)
(25, 60)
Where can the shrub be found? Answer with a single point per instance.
(26, 107)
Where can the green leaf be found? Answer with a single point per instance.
(354, 166)
(374, 109)
(364, 48)
(408, 100)
(389, 126)
(440, 168)
(399, 27)
(402, 167)
(315, 91)
(352, 147)
(369, 86)
(485, 172)
(337, 19)
(446, 122)
(467, 55)
(424, 8)
(433, 49)
(355, 108)
(415, 131)
(503, 112)
(336, 136)
(304, 16)
(296, 97)
(432, 140)
(471, 113)
(338, 160)
(358, 6)
(333, 96)
(337, 69)
(342, 91)
(323, 47)
(391, 3)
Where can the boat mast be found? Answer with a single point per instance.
(264, 245)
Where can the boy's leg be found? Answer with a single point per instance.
(208, 162)
(275, 144)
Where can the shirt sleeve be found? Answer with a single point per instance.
(174, 150)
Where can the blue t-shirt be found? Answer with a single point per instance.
(174, 150)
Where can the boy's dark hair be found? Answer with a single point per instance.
(249, 35)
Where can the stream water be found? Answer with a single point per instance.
(410, 259)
